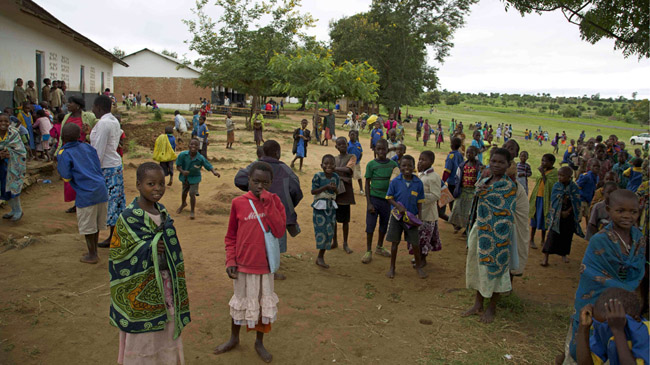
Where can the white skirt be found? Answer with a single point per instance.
(254, 299)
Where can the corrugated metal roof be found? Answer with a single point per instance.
(164, 56)
(31, 8)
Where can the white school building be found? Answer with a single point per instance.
(36, 45)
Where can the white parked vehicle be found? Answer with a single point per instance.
(641, 138)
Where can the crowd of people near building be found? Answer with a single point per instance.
(482, 184)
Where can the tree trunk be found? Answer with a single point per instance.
(254, 108)
(315, 117)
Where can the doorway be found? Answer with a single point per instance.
(40, 62)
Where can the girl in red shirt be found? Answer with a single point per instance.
(254, 303)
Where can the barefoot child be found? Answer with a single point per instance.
(378, 172)
(254, 302)
(324, 187)
(202, 136)
(464, 192)
(78, 164)
(540, 198)
(44, 125)
(617, 253)
(354, 148)
(257, 131)
(613, 330)
(145, 253)
(301, 138)
(406, 195)
(344, 166)
(375, 136)
(488, 255)
(230, 130)
(164, 152)
(429, 236)
(13, 156)
(189, 165)
(563, 219)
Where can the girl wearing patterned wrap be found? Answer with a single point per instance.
(491, 222)
(149, 301)
(563, 219)
(615, 257)
(324, 187)
(12, 167)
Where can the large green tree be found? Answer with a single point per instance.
(395, 37)
(235, 51)
(627, 22)
(315, 76)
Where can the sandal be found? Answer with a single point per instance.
(381, 250)
(367, 257)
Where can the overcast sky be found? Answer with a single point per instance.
(496, 51)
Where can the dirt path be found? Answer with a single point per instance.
(54, 309)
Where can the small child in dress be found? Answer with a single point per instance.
(230, 130)
(344, 164)
(257, 132)
(202, 136)
(378, 172)
(79, 165)
(613, 331)
(301, 138)
(324, 187)
(376, 134)
(470, 169)
(563, 218)
(426, 132)
(254, 302)
(189, 165)
(540, 198)
(406, 195)
(523, 170)
(44, 125)
(634, 175)
(164, 151)
(354, 148)
(428, 233)
(599, 217)
(148, 333)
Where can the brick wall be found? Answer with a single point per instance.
(165, 90)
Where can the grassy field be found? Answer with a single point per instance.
(520, 120)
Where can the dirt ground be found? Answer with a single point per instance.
(54, 310)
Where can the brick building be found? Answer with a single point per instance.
(156, 75)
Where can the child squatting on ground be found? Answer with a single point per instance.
(145, 253)
(254, 302)
(79, 165)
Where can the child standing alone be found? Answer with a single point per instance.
(164, 152)
(79, 165)
(254, 302)
(563, 218)
(230, 130)
(145, 253)
(301, 138)
(324, 187)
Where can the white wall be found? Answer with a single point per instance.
(22, 35)
(150, 64)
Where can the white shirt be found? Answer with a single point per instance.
(105, 137)
(432, 186)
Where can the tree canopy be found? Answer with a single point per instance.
(235, 51)
(313, 76)
(394, 37)
(627, 22)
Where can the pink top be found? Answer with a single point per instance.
(44, 125)
(79, 122)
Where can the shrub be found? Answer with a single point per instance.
(570, 112)
(605, 112)
(157, 115)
